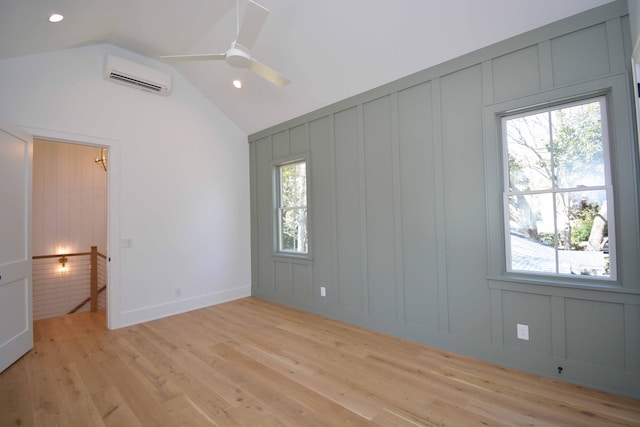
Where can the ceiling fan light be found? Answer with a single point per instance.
(237, 57)
(55, 17)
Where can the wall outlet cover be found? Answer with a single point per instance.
(523, 332)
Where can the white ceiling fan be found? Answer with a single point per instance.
(238, 54)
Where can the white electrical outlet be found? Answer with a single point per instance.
(126, 243)
(323, 291)
(523, 332)
(178, 292)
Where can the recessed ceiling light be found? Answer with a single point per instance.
(237, 84)
(56, 17)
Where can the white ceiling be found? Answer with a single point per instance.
(330, 49)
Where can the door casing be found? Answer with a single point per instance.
(113, 226)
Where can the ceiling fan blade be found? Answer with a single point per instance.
(254, 17)
(200, 57)
(269, 74)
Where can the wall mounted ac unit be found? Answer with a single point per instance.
(131, 74)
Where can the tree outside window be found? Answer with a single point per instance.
(558, 195)
(292, 208)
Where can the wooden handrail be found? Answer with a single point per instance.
(79, 306)
(101, 255)
(60, 255)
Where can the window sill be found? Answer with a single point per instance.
(295, 258)
(561, 286)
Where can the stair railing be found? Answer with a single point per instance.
(93, 275)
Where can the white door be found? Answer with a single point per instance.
(16, 330)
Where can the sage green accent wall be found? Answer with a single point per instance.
(404, 188)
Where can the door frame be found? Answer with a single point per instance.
(113, 198)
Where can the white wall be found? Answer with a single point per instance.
(69, 199)
(183, 176)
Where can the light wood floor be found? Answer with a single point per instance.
(254, 363)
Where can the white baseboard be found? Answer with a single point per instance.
(140, 315)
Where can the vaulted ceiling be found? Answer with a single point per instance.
(329, 49)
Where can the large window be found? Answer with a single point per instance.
(558, 196)
(292, 207)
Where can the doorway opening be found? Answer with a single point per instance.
(69, 228)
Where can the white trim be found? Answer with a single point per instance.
(113, 225)
(607, 187)
(154, 312)
(15, 130)
(279, 208)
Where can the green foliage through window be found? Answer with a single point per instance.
(292, 208)
(557, 191)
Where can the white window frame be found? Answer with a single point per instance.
(554, 191)
(625, 171)
(279, 208)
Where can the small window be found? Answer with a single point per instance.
(558, 196)
(292, 208)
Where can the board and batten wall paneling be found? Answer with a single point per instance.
(588, 328)
(632, 337)
(349, 225)
(254, 217)
(580, 55)
(298, 140)
(465, 221)
(417, 196)
(518, 73)
(301, 278)
(379, 208)
(321, 192)
(405, 208)
(283, 280)
(527, 309)
(281, 146)
(264, 225)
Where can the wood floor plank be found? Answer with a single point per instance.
(251, 362)
(342, 370)
(47, 404)
(192, 383)
(253, 377)
(339, 392)
(78, 404)
(113, 408)
(14, 392)
(450, 382)
(310, 404)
